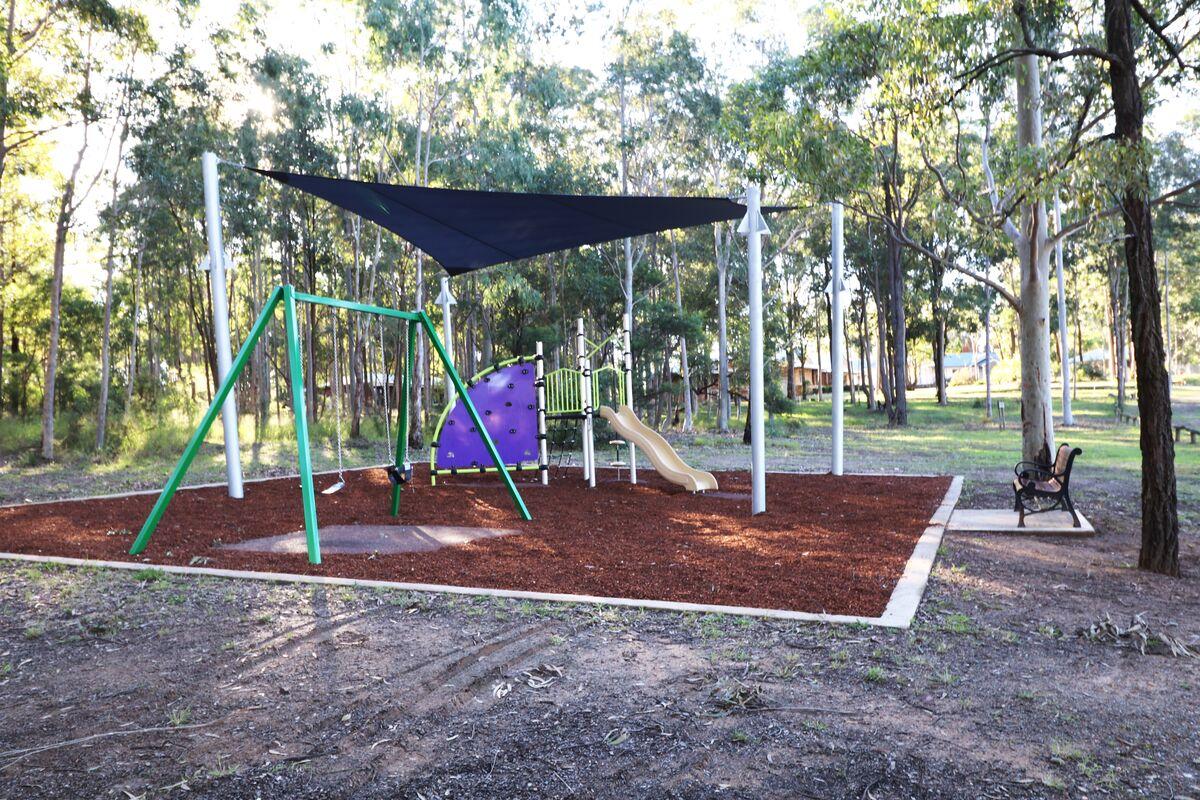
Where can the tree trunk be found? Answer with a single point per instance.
(898, 410)
(683, 351)
(2, 320)
(847, 358)
(722, 256)
(1078, 334)
(820, 362)
(106, 334)
(791, 372)
(1160, 519)
(864, 348)
(885, 382)
(987, 347)
(105, 348)
(56, 287)
(261, 357)
(627, 282)
(131, 377)
(556, 310)
(939, 354)
(1037, 414)
(62, 227)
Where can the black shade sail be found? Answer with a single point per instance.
(465, 230)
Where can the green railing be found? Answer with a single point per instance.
(617, 382)
(562, 392)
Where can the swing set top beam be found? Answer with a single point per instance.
(350, 305)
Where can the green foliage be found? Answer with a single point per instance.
(879, 103)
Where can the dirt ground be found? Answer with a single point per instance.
(230, 689)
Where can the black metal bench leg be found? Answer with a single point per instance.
(1071, 507)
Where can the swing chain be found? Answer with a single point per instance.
(336, 391)
(387, 411)
(396, 474)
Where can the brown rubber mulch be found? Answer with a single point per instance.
(826, 544)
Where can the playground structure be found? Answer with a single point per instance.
(518, 400)
(398, 471)
(658, 450)
(465, 230)
(511, 395)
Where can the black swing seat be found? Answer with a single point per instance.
(399, 476)
(1045, 487)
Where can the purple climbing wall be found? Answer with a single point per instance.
(507, 402)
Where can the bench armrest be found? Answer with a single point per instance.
(1025, 469)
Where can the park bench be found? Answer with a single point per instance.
(1045, 487)
(1185, 428)
(1122, 412)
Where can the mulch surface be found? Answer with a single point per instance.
(826, 544)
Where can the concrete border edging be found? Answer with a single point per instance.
(899, 613)
(910, 589)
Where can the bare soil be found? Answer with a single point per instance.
(214, 688)
(825, 544)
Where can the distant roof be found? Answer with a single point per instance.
(1091, 356)
(465, 230)
(957, 360)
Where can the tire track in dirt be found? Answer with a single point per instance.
(270, 649)
(429, 692)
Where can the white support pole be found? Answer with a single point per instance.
(585, 400)
(836, 336)
(754, 229)
(220, 310)
(447, 300)
(539, 380)
(1064, 337)
(627, 371)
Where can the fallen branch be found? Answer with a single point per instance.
(25, 752)
(1140, 636)
(797, 709)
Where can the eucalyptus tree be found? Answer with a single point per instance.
(129, 98)
(91, 37)
(666, 104)
(36, 34)
(170, 128)
(1098, 167)
(834, 122)
(432, 48)
(310, 238)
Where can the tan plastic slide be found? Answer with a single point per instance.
(661, 454)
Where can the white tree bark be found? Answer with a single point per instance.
(106, 334)
(722, 256)
(66, 213)
(1037, 413)
(683, 351)
(1033, 244)
(135, 280)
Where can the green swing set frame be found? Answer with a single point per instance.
(414, 321)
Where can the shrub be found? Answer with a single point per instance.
(965, 377)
